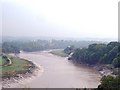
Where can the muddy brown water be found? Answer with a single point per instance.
(58, 72)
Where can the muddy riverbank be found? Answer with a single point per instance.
(13, 75)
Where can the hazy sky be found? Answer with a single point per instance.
(60, 18)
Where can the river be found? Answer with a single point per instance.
(58, 72)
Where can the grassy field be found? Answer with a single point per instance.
(18, 66)
(59, 53)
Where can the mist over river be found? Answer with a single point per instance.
(58, 72)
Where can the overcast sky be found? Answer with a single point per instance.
(60, 18)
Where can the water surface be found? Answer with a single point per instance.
(58, 72)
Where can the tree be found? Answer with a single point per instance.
(110, 83)
(116, 61)
(10, 48)
(98, 53)
(110, 55)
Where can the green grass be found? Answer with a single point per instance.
(2, 61)
(17, 65)
(59, 53)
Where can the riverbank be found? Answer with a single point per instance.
(58, 52)
(18, 82)
(104, 70)
(19, 69)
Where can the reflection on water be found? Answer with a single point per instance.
(60, 72)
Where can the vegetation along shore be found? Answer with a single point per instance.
(15, 67)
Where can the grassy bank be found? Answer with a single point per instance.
(18, 66)
(0, 60)
(59, 53)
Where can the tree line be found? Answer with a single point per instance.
(38, 45)
(98, 54)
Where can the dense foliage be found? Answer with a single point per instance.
(99, 53)
(37, 45)
(109, 83)
(10, 48)
(116, 61)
